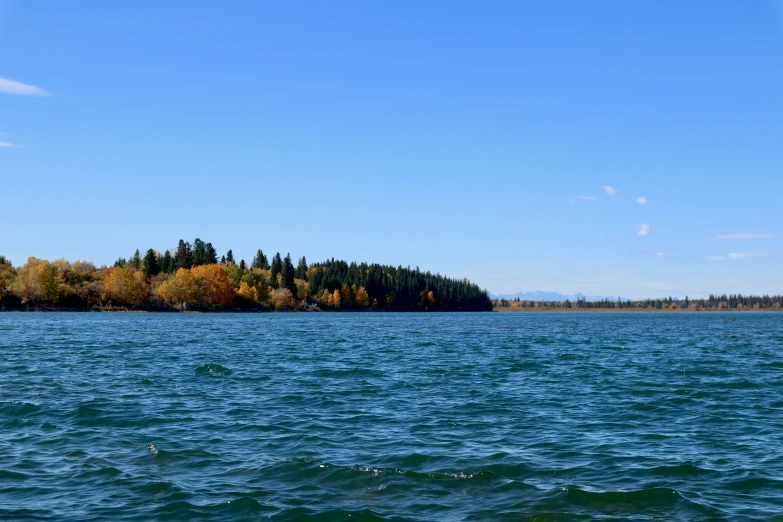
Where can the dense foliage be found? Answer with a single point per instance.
(190, 277)
(713, 302)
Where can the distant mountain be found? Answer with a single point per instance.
(538, 295)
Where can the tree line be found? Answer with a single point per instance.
(192, 277)
(712, 303)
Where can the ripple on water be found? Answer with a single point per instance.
(391, 417)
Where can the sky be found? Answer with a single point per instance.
(612, 148)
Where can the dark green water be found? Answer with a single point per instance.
(391, 417)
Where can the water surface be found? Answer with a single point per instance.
(391, 416)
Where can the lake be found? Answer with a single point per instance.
(382, 416)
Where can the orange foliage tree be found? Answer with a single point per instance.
(204, 285)
(125, 286)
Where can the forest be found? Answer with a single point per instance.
(192, 277)
(712, 303)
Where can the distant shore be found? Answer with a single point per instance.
(632, 310)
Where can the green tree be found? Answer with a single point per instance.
(182, 257)
(167, 262)
(287, 274)
(135, 261)
(211, 254)
(277, 267)
(151, 265)
(301, 268)
(229, 256)
(260, 261)
(242, 265)
(199, 253)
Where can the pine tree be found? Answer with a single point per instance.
(167, 262)
(223, 260)
(151, 265)
(277, 267)
(301, 268)
(242, 265)
(135, 261)
(182, 258)
(229, 256)
(287, 276)
(259, 260)
(211, 255)
(199, 253)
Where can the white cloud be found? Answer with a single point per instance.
(744, 236)
(6, 145)
(586, 198)
(643, 230)
(716, 258)
(660, 254)
(642, 200)
(748, 255)
(13, 87)
(609, 190)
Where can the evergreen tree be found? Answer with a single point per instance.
(229, 256)
(182, 257)
(211, 255)
(121, 262)
(223, 260)
(151, 266)
(277, 267)
(301, 268)
(199, 253)
(287, 275)
(260, 261)
(167, 262)
(135, 261)
(242, 265)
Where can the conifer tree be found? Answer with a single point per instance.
(242, 265)
(301, 268)
(211, 255)
(287, 275)
(135, 261)
(260, 261)
(199, 253)
(277, 267)
(223, 260)
(151, 266)
(182, 257)
(229, 256)
(167, 262)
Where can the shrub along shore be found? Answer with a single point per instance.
(191, 277)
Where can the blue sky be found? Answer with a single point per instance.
(471, 139)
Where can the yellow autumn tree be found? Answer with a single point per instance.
(336, 299)
(248, 292)
(214, 288)
(204, 285)
(38, 281)
(125, 286)
(362, 299)
(345, 295)
(178, 290)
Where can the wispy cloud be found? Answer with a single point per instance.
(643, 230)
(610, 190)
(716, 258)
(748, 255)
(6, 145)
(586, 198)
(13, 87)
(725, 237)
(642, 200)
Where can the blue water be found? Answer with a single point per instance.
(391, 416)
